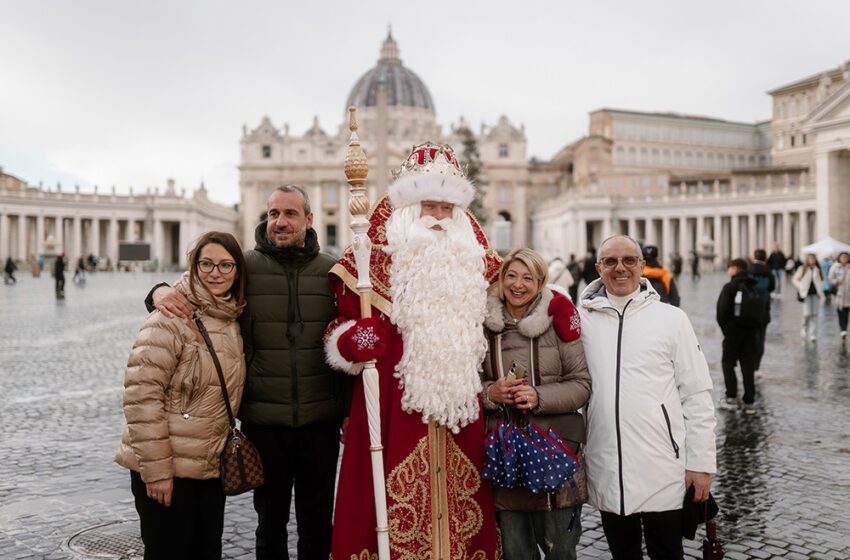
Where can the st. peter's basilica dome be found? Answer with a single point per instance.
(404, 88)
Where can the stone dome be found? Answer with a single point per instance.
(404, 88)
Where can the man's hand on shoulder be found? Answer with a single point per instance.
(171, 303)
(701, 482)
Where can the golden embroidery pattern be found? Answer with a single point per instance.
(409, 511)
(364, 555)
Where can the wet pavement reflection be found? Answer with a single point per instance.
(783, 481)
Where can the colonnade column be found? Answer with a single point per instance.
(4, 237)
(683, 247)
(666, 239)
(718, 238)
(112, 241)
(316, 205)
(786, 233)
(76, 234)
(769, 235)
(60, 234)
(752, 236)
(22, 237)
(700, 230)
(633, 228)
(735, 251)
(39, 235)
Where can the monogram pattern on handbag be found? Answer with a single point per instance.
(241, 467)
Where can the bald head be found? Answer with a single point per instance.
(621, 236)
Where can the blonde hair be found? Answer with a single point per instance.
(532, 261)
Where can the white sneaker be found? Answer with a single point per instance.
(803, 332)
(728, 403)
(813, 338)
(749, 409)
(843, 334)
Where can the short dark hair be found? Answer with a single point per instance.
(760, 255)
(740, 264)
(296, 189)
(226, 240)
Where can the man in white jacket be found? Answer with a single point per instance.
(650, 419)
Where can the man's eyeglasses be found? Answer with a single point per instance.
(225, 267)
(611, 262)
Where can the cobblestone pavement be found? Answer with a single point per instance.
(783, 481)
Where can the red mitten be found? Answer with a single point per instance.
(565, 318)
(365, 341)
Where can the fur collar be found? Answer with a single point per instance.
(536, 321)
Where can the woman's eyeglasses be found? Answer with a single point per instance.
(225, 267)
(611, 262)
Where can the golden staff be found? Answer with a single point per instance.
(356, 170)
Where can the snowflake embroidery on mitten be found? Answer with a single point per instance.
(575, 322)
(365, 338)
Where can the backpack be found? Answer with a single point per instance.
(762, 284)
(748, 307)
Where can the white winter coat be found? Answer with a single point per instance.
(839, 275)
(651, 415)
(804, 276)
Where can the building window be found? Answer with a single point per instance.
(804, 139)
(330, 235)
(620, 154)
(654, 155)
(503, 150)
(331, 196)
(666, 155)
(632, 154)
(267, 151)
(504, 192)
(793, 139)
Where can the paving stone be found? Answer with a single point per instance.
(782, 481)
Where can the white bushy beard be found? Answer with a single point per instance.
(439, 303)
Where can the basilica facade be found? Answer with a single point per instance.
(395, 111)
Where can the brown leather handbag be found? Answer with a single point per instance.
(241, 468)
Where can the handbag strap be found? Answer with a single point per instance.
(205, 334)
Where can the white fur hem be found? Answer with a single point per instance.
(443, 188)
(332, 354)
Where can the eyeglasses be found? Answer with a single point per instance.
(225, 267)
(628, 262)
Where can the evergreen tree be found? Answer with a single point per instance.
(472, 160)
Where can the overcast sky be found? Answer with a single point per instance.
(99, 92)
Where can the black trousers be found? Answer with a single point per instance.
(662, 531)
(304, 458)
(762, 334)
(740, 346)
(190, 529)
(60, 283)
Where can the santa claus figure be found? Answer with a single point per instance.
(430, 270)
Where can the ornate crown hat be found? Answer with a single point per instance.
(430, 172)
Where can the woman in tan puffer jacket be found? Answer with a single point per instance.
(538, 330)
(176, 418)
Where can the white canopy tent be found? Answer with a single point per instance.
(826, 246)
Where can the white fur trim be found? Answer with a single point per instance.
(332, 354)
(411, 189)
(532, 325)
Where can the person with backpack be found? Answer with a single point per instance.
(808, 279)
(660, 277)
(776, 261)
(765, 284)
(740, 314)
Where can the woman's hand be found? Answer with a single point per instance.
(161, 491)
(525, 397)
(503, 390)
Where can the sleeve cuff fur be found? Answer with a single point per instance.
(332, 354)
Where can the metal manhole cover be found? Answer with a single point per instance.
(113, 540)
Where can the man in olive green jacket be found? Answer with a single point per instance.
(293, 403)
